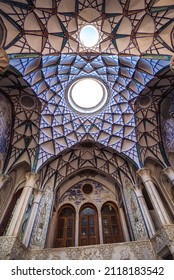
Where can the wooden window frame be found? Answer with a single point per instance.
(113, 238)
(88, 239)
(61, 242)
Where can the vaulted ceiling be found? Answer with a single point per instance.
(41, 38)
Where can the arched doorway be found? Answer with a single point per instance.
(88, 225)
(66, 227)
(112, 232)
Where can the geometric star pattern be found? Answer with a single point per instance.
(114, 127)
(87, 156)
(25, 120)
(125, 27)
(41, 39)
(149, 129)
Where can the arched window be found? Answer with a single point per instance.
(88, 223)
(112, 232)
(66, 227)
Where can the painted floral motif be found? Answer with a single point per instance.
(76, 196)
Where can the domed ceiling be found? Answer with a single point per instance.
(42, 40)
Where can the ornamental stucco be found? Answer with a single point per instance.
(12, 249)
(122, 251)
(42, 220)
(135, 215)
(164, 237)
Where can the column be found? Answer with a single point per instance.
(145, 212)
(3, 180)
(169, 172)
(100, 229)
(124, 224)
(16, 222)
(32, 217)
(77, 231)
(145, 175)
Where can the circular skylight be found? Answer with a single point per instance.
(89, 36)
(87, 95)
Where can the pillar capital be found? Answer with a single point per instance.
(169, 172)
(31, 179)
(144, 174)
(3, 179)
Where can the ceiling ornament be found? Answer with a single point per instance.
(60, 126)
(148, 125)
(88, 156)
(26, 120)
(42, 40)
(85, 18)
(124, 27)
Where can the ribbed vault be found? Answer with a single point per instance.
(42, 40)
(88, 156)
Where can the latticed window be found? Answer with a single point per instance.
(111, 224)
(88, 222)
(66, 227)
